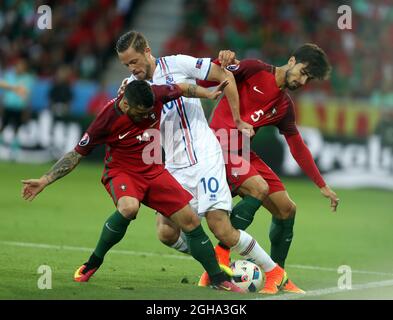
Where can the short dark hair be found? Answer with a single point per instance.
(316, 59)
(139, 93)
(133, 39)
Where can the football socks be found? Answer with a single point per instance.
(113, 231)
(243, 213)
(202, 250)
(181, 244)
(281, 234)
(249, 248)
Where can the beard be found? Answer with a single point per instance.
(293, 85)
(146, 74)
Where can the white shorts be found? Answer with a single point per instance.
(207, 183)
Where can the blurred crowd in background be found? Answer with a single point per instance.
(57, 61)
(362, 58)
(69, 62)
(83, 37)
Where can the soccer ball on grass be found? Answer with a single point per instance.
(247, 275)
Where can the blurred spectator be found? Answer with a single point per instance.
(60, 94)
(99, 100)
(19, 90)
(270, 29)
(83, 33)
(16, 106)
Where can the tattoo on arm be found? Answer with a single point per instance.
(191, 91)
(64, 166)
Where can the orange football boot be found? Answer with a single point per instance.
(274, 280)
(228, 286)
(83, 275)
(223, 255)
(290, 287)
(204, 280)
(223, 258)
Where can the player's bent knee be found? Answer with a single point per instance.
(256, 187)
(186, 219)
(128, 207)
(289, 210)
(167, 234)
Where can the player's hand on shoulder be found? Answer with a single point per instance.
(226, 58)
(329, 193)
(245, 128)
(32, 187)
(120, 91)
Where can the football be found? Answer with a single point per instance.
(247, 275)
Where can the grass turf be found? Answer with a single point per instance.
(66, 220)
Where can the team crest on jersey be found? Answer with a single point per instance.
(85, 140)
(199, 63)
(233, 67)
(169, 79)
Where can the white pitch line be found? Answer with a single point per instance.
(61, 247)
(171, 256)
(299, 266)
(333, 290)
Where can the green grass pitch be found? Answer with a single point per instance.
(60, 227)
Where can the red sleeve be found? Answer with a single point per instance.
(166, 93)
(97, 132)
(247, 68)
(303, 157)
(242, 71)
(287, 125)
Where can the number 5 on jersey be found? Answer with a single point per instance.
(257, 115)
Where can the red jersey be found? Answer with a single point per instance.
(125, 140)
(262, 103)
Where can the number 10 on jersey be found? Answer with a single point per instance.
(212, 184)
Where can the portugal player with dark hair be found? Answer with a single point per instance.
(265, 102)
(126, 126)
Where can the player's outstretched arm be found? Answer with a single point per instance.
(195, 91)
(32, 187)
(216, 73)
(303, 157)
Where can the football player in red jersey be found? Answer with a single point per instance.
(126, 127)
(264, 102)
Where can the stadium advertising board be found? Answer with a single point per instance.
(346, 163)
(41, 139)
